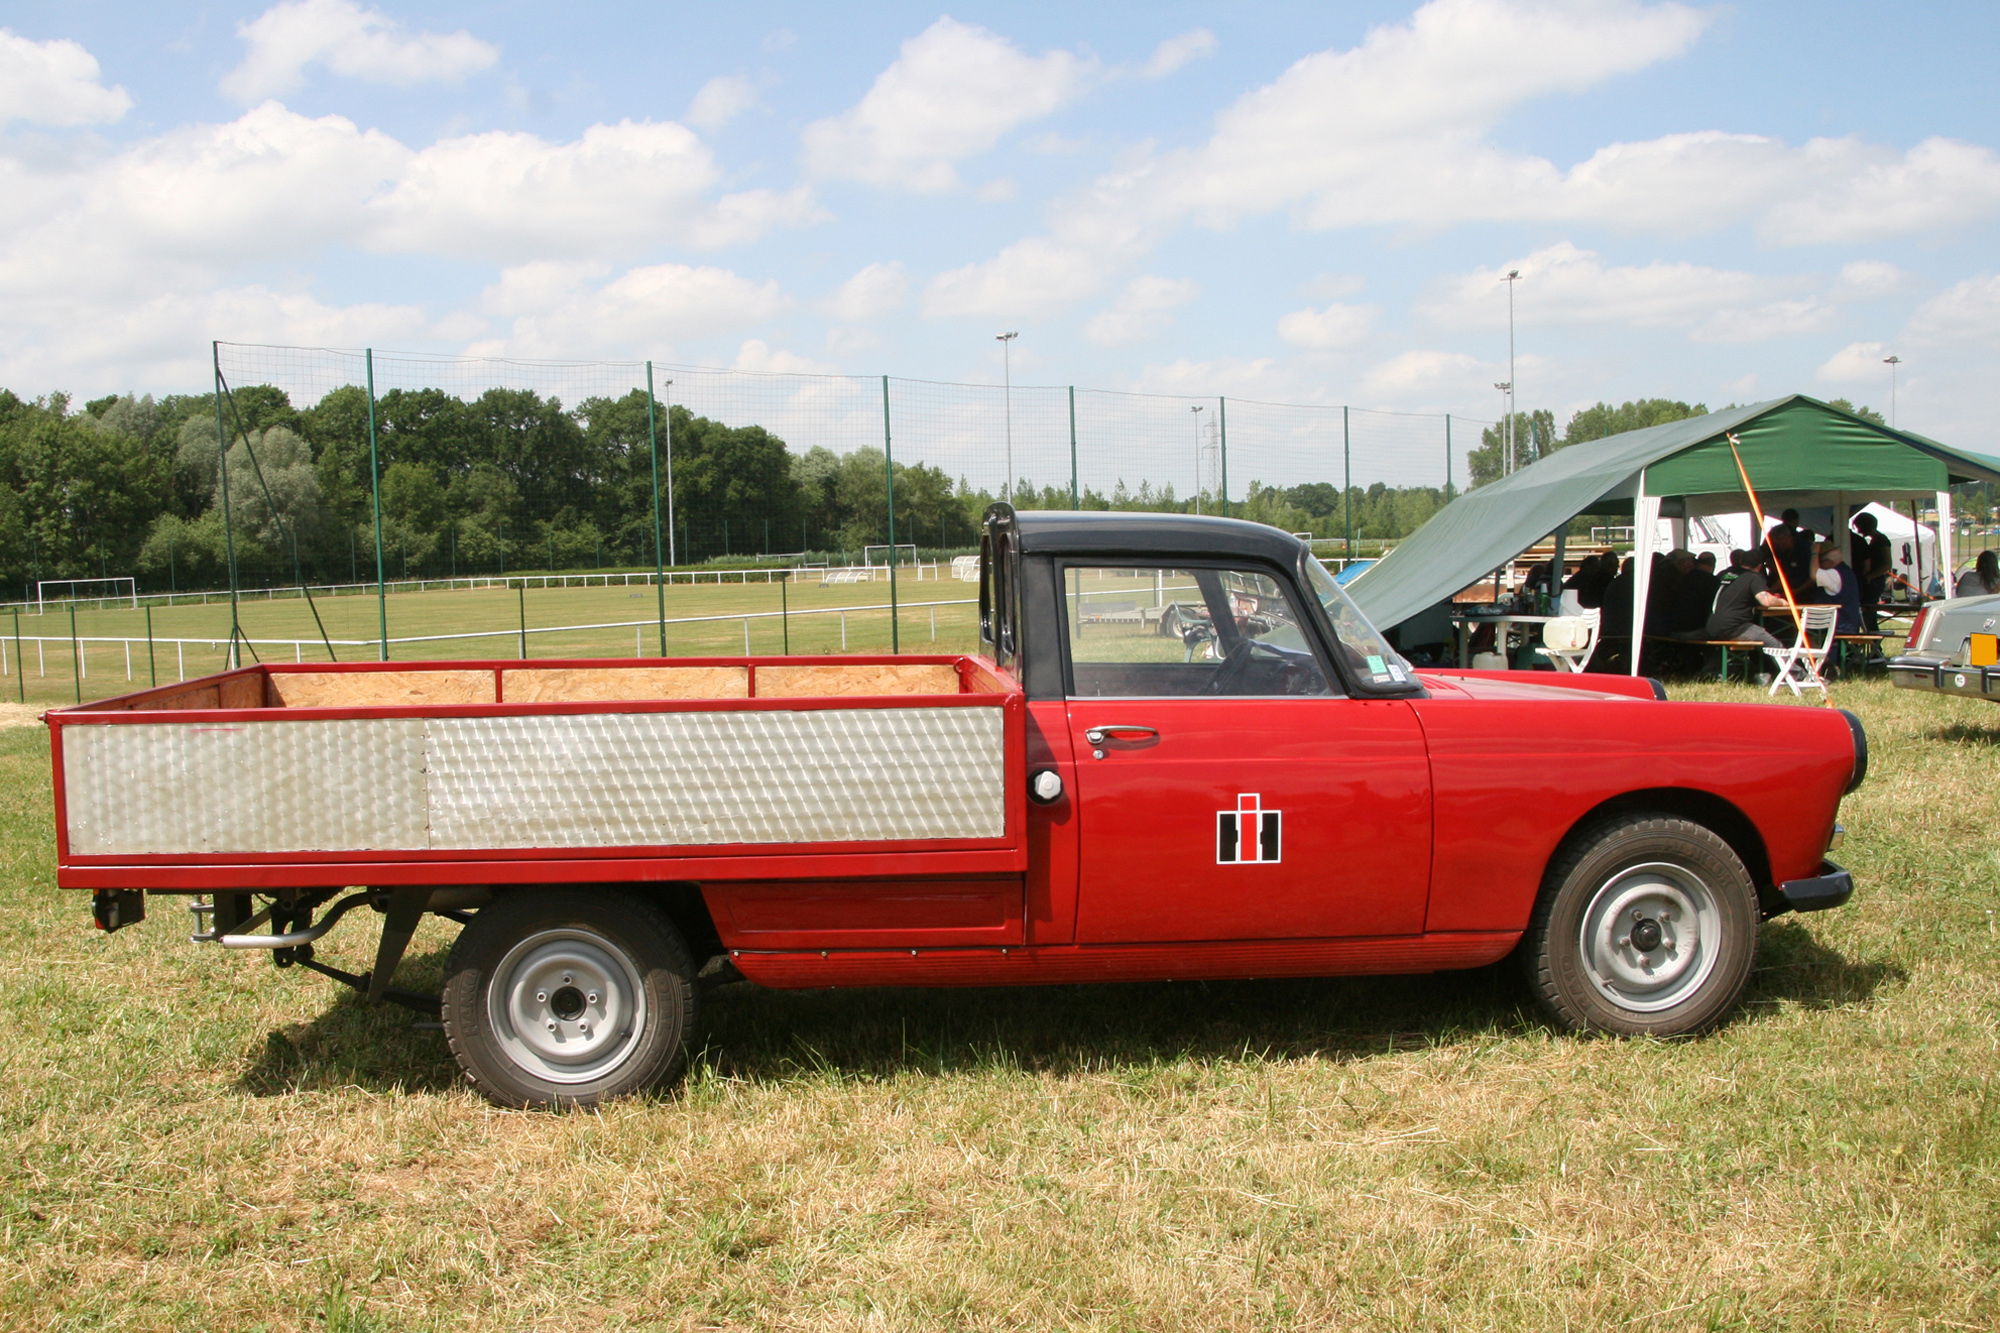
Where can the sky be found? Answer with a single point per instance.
(1293, 203)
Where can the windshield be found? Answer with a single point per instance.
(1366, 651)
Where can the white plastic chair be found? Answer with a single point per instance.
(1568, 641)
(1809, 652)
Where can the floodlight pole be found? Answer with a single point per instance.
(1197, 457)
(1892, 362)
(653, 446)
(1006, 341)
(1513, 461)
(375, 484)
(228, 528)
(1506, 425)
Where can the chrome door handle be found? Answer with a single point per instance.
(1098, 735)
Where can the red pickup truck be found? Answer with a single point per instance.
(1183, 754)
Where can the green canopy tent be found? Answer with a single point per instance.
(1799, 452)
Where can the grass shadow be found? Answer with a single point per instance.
(1795, 967)
(776, 1036)
(356, 1043)
(765, 1036)
(1961, 733)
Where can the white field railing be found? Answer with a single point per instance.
(926, 571)
(11, 645)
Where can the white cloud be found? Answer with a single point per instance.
(1140, 311)
(1335, 328)
(875, 290)
(1398, 131)
(1865, 279)
(1332, 286)
(616, 189)
(1177, 52)
(1427, 374)
(561, 309)
(1029, 278)
(953, 91)
(1744, 387)
(1859, 192)
(54, 83)
(721, 100)
(758, 355)
(353, 42)
(1562, 284)
(1856, 363)
(1967, 312)
(1777, 319)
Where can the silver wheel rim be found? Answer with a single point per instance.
(567, 1005)
(1650, 937)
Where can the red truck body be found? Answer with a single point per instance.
(1392, 821)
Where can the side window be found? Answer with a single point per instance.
(1154, 631)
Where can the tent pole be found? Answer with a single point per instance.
(1945, 563)
(1645, 521)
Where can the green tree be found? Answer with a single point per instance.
(1865, 412)
(1603, 420)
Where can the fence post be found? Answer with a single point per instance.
(521, 596)
(1072, 461)
(1347, 471)
(784, 609)
(228, 529)
(889, 466)
(20, 662)
(76, 653)
(653, 446)
(152, 667)
(1222, 436)
(375, 488)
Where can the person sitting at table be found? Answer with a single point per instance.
(1740, 602)
(1983, 578)
(1694, 597)
(1593, 575)
(1836, 582)
(1614, 633)
(1786, 562)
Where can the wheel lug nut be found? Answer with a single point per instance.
(552, 1025)
(566, 976)
(1624, 941)
(592, 997)
(541, 997)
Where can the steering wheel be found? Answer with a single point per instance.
(1238, 664)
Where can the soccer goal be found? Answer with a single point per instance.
(131, 592)
(906, 554)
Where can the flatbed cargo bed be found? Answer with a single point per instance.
(552, 771)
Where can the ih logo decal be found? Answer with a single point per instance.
(1249, 834)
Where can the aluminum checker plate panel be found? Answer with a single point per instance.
(571, 780)
(179, 788)
(701, 778)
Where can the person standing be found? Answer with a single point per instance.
(1874, 561)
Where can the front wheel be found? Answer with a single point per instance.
(1647, 925)
(567, 997)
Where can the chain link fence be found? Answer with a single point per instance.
(341, 504)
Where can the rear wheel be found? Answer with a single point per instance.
(1647, 925)
(566, 997)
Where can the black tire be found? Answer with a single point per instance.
(1610, 947)
(567, 997)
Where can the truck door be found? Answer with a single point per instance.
(1226, 791)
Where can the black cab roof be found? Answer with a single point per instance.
(1095, 532)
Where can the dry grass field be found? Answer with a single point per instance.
(198, 1142)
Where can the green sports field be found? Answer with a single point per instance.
(191, 638)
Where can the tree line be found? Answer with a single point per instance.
(504, 482)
